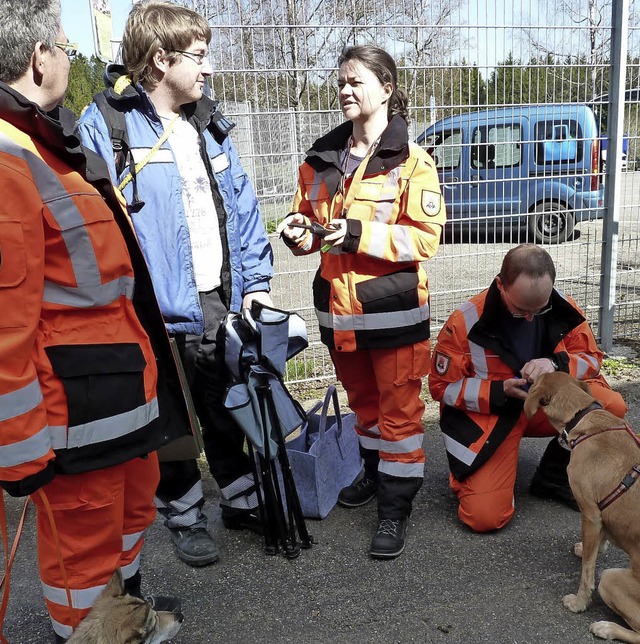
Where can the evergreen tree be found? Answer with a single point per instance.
(85, 80)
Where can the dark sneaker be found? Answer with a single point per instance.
(195, 546)
(233, 519)
(358, 493)
(388, 541)
(545, 489)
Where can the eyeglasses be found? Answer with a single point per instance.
(521, 313)
(196, 58)
(69, 48)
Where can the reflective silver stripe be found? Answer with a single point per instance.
(25, 451)
(458, 450)
(58, 434)
(61, 629)
(478, 355)
(369, 321)
(130, 540)
(404, 446)
(131, 569)
(240, 485)
(74, 233)
(186, 501)
(585, 364)
(20, 401)
(390, 188)
(383, 212)
(378, 239)
(403, 242)
(86, 297)
(451, 393)
(80, 598)
(105, 429)
(369, 443)
(243, 502)
(472, 394)
(163, 155)
(402, 470)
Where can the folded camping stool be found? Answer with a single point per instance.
(258, 343)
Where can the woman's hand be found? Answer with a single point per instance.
(292, 233)
(336, 238)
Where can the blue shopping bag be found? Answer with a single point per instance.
(324, 457)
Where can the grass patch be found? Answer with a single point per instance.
(616, 366)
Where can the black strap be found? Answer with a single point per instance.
(117, 128)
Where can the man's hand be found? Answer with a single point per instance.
(259, 296)
(536, 367)
(336, 238)
(513, 388)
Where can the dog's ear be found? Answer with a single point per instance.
(537, 397)
(584, 386)
(115, 587)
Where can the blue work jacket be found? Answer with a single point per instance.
(161, 224)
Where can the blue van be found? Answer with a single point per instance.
(532, 165)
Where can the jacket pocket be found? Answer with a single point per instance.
(389, 293)
(13, 272)
(100, 381)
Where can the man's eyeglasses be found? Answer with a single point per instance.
(196, 58)
(69, 48)
(524, 314)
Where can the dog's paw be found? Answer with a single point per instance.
(574, 603)
(577, 549)
(603, 630)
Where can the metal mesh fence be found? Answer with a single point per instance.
(510, 173)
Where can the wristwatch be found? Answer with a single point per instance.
(554, 364)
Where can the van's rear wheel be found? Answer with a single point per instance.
(551, 223)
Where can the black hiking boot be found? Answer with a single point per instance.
(550, 480)
(388, 541)
(358, 493)
(195, 546)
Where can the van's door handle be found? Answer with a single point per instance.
(474, 180)
(452, 180)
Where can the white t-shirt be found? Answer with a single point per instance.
(199, 206)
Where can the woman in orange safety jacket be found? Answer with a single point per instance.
(377, 200)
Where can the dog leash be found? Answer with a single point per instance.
(10, 556)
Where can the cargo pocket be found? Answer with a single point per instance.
(100, 381)
(412, 362)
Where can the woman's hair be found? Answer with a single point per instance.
(379, 62)
(529, 260)
(157, 25)
(23, 23)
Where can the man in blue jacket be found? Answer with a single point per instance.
(199, 225)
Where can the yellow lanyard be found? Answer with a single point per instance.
(165, 135)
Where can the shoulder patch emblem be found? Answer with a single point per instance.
(431, 202)
(442, 363)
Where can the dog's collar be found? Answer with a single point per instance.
(576, 419)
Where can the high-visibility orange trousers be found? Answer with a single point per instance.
(100, 517)
(383, 389)
(485, 497)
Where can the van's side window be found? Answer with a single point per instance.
(558, 141)
(496, 146)
(446, 149)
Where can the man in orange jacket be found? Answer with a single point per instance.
(88, 388)
(487, 353)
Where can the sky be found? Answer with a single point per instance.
(486, 20)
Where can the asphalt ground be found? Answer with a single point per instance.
(449, 586)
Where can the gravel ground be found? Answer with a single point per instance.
(450, 585)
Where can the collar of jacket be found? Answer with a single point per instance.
(134, 97)
(52, 129)
(562, 318)
(326, 153)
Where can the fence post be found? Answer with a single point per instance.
(612, 197)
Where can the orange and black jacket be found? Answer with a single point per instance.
(372, 292)
(471, 361)
(87, 378)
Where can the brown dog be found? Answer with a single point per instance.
(119, 618)
(604, 465)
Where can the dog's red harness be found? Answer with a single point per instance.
(634, 473)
